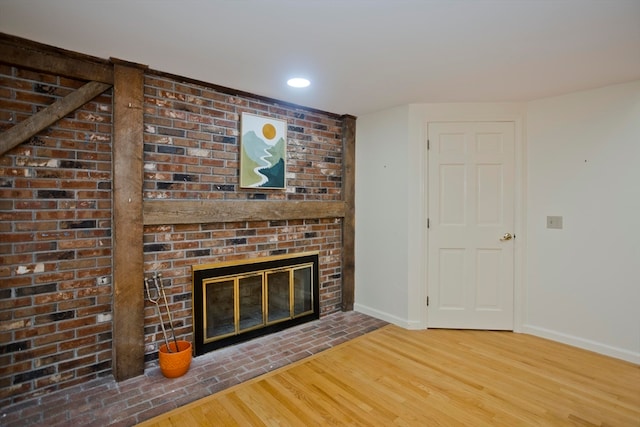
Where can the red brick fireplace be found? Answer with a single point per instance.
(60, 277)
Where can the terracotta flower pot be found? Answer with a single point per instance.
(177, 363)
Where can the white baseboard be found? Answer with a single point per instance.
(574, 341)
(585, 344)
(387, 317)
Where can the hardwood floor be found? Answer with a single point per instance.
(436, 377)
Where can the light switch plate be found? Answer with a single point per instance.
(554, 222)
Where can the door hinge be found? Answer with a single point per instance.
(427, 301)
(428, 144)
(428, 223)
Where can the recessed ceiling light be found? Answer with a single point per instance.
(298, 82)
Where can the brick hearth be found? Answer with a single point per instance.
(104, 402)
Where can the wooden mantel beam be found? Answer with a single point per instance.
(51, 114)
(159, 212)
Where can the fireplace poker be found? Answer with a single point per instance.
(158, 278)
(156, 301)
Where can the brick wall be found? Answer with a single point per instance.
(55, 217)
(55, 225)
(191, 152)
(172, 250)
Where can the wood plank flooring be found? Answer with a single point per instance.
(396, 377)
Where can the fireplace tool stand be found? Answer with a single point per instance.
(158, 292)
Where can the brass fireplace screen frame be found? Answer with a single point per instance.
(274, 318)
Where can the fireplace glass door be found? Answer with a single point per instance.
(244, 302)
(239, 300)
(250, 305)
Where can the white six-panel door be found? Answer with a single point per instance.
(471, 225)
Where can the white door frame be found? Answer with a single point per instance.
(484, 113)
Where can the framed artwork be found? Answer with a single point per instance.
(263, 152)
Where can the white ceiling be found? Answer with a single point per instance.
(361, 55)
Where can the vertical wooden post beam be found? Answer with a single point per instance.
(349, 223)
(127, 227)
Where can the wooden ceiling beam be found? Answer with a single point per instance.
(38, 57)
(29, 127)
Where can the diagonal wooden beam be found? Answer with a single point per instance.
(51, 114)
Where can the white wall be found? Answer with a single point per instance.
(583, 282)
(382, 231)
(391, 205)
(579, 285)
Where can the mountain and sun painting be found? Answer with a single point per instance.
(262, 152)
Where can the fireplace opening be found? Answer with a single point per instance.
(240, 300)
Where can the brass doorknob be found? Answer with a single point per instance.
(507, 236)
